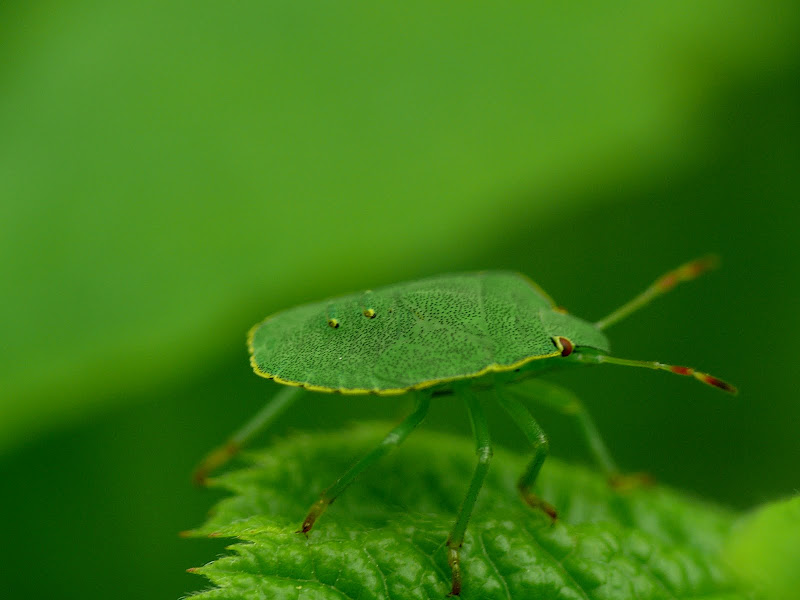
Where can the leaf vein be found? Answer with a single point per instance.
(316, 576)
(564, 570)
(380, 571)
(430, 556)
(493, 565)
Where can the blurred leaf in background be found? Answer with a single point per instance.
(170, 174)
(166, 165)
(763, 551)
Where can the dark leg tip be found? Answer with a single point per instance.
(537, 503)
(455, 567)
(200, 477)
(550, 511)
(455, 589)
(626, 482)
(213, 461)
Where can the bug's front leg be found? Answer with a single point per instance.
(541, 448)
(483, 449)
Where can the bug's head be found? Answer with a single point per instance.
(585, 342)
(569, 332)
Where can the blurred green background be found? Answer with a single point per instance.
(172, 173)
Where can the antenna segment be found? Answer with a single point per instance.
(662, 285)
(598, 358)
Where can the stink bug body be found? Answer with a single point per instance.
(449, 334)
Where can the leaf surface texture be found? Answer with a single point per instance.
(384, 538)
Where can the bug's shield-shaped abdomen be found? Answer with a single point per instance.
(422, 332)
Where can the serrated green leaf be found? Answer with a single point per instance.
(385, 537)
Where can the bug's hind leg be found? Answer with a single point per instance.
(541, 447)
(262, 419)
(391, 441)
(567, 403)
(483, 449)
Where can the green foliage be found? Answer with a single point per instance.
(384, 538)
(764, 550)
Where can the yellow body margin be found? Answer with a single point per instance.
(495, 368)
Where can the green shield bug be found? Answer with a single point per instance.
(445, 335)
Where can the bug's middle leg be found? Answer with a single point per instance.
(541, 448)
(483, 449)
(391, 441)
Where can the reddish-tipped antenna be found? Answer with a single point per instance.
(662, 285)
(702, 377)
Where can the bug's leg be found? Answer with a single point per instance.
(483, 449)
(564, 401)
(391, 441)
(263, 418)
(541, 447)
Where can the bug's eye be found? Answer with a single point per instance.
(370, 313)
(564, 345)
(333, 323)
